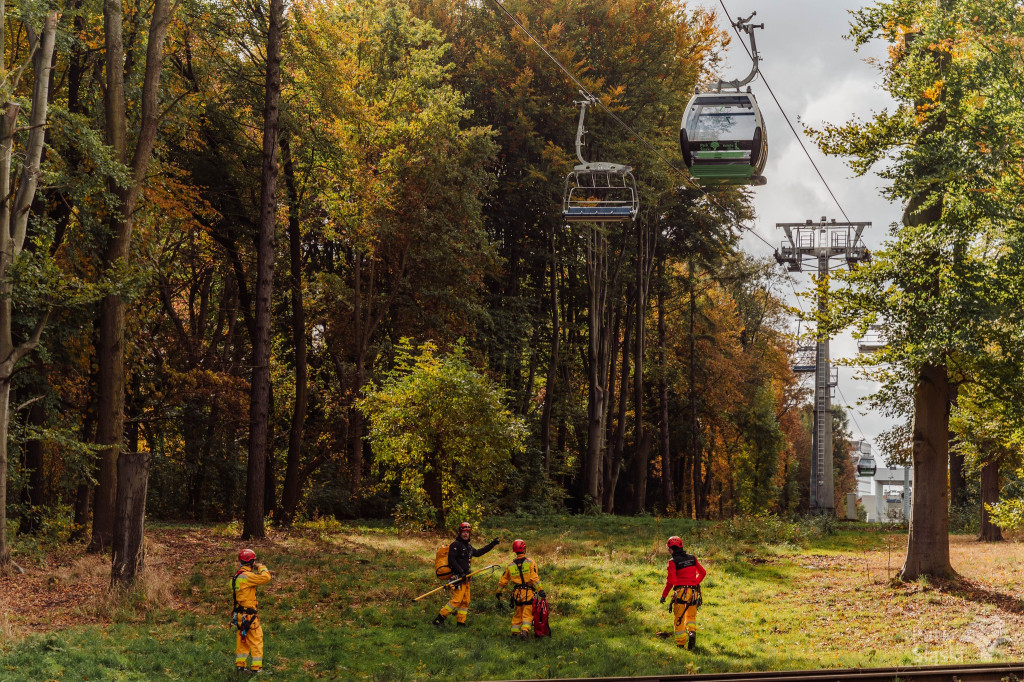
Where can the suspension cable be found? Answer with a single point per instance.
(799, 139)
(640, 138)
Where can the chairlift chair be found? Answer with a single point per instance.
(722, 135)
(598, 192)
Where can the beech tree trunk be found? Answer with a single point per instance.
(667, 488)
(110, 351)
(613, 457)
(641, 439)
(14, 213)
(552, 377)
(990, 532)
(957, 481)
(700, 490)
(597, 375)
(292, 482)
(34, 493)
(928, 543)
(259, 395)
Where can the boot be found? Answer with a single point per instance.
(459, 624)
(691, 640)
(439, 621)
(524, 635)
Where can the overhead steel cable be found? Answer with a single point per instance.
(586, 92)
(640, 138)
(853, 414)
(785, 116)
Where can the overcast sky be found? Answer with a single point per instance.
(817, 77)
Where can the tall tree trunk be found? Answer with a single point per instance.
(667, 490)
(292, 484)
(700, 497)
(34, 496)
(355, 416)
(957, 481)
(552, 378)
(259, 397)
(641, 439)
(613, 458)
(14, 213)
(990, 532)
(110, 353)
(598, 363)
(5, 415)
(928, 544)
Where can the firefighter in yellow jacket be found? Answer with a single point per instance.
(522, 575)
(249, 638)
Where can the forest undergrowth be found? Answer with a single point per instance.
(778, 595)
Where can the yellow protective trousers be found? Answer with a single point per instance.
(459, 603)
(684, 612)
(522, 617)
(252, 645)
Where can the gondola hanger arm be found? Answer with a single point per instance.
(581, 130)
(744, 25)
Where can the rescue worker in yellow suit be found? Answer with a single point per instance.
(249, 637)
(460, 555)
(525, 580)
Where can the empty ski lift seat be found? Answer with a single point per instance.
(601, 193)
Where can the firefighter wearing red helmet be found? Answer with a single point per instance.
(684, 577)
(460, 554)
(524, 578)
(249, 636)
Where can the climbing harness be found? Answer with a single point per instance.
(521, 588)
(693, 597)
(242, 617)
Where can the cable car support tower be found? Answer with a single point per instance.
(818, 245)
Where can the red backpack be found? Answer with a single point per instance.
(540, 617)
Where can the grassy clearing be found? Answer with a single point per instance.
(777, 596)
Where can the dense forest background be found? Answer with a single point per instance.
(422, 152)
(294, 261)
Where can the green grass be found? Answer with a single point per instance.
(340, 607)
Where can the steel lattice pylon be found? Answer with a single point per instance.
(819, 244)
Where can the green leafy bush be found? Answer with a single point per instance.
(439, 429)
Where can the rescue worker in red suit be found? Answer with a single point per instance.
(684, 576)
(522, 575)
(249, 638)
(460, 554)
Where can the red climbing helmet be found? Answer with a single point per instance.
(675, 541)
(518, 546)
(465, 525)
(246, 555)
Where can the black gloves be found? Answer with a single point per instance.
(499, 597)
(495, 541)
(542, 595)
(662, 600)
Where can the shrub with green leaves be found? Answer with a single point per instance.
(440, 431)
